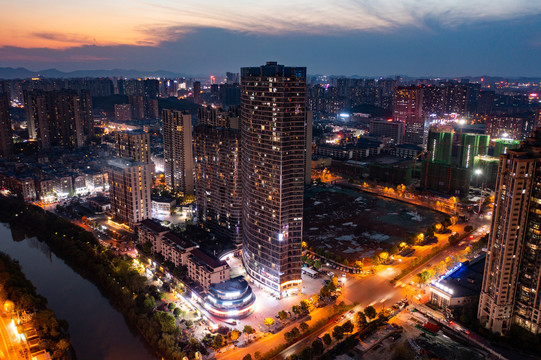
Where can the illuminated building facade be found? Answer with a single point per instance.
(440, 145)
(511, 291)
(130, 187)
(472, 145)
(273, 110)
(217, 180)
(134, 145)
(59, 118)
(408, 109)
(177, 151)
(230, 299)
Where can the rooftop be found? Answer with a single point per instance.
(467, 279)
(207, 259)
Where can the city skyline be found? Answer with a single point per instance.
(407, 38)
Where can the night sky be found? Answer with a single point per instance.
(384, 37)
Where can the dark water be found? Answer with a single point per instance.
(97, 330)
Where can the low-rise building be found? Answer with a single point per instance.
(459, 286)
(206, 269)
(162, 205)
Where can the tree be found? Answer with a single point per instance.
(304, 326)
(393, 250)
(331, 286)
(315, 299)
(370, 312)
(257, 355)
(348, 327)
(247, 357)
(360, 320)
(295, 332)
(149, 303)
(177, 312)
(327, 340)
(375, 260)
(310, 261)
(305, 305)
(282, 315)
(234, 335)
(269, 322)
(166, 321)
(317, 264)
(338, 332)
(324, 292)
(296, 309)
(317, 347)
(304, 258)
(248, 329)
(171, 306)
(219, 341)
(306, 353)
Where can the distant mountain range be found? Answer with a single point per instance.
(23, 73)
(9, 73)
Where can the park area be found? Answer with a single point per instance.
(355, 225)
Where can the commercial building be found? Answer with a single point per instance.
(230, 299)
(472, 145)
(408, 109)
(206, 269)
(130, 186)
(6, 135)
(133, 145)
(273, 116)
(391, 129)
(459, 286)
(217, 176)
(440, 145)
(512, 280)
(178, 152)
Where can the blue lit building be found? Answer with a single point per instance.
(231, 299)
(459, 286)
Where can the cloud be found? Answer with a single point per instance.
(64, 38)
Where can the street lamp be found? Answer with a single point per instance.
(478, 173)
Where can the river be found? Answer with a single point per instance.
(97, 330)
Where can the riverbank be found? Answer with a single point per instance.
(114, 276)
(24, 305)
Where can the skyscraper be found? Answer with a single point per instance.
(511, 292)
(6, 135)
(273, 110)
(133, 145)
(130, 186)
(217, 169)
(408, 108)
(177, 150)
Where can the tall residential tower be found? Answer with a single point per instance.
(511, 292)
(273, 109)
(178, 151)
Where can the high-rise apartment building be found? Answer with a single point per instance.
(197, 92)
(133, 145)
(273, 110)
(511, 292)
(440, 145)
(309, 126)
(59, 118)
(408, 108)
(6, 135)
(130, 187)
(472, 145)
(217, 170)
(177, 150)
(123, 112)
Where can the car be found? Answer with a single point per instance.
(465, 331)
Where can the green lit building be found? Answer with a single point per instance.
(440, 146)
(472, 145)
(489, 171)
(501, 146)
